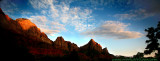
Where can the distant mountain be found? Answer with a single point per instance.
(22, 40)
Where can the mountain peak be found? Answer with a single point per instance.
(92, 45)
(60, 38)
(92, 41)
(60, 43)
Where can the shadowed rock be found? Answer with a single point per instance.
(60, 43)
(92, 45)
(105, 51)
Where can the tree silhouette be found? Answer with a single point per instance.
(138, 55)
(154, 36)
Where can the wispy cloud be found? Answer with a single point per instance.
(151, 6)
(26, 13)
(134, 15)
(58, 26)
(5, 4)
(107, 3)
(41, 4)
(113, 29)
(9, 7)
(62, 13)
(48, 31)
(42, 22)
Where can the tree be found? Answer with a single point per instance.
(138, 55)
(154, 36)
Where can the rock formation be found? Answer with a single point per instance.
(23, 27)
(92, 46)
(65, 45)
(105, 51)
(23, 40)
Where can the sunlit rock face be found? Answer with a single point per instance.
(25, 23)
(92, 46)
(60, 43)
(23, 27)
(31, 30)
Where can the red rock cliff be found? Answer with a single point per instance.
(23, 27)
(92, 45)
(60, 43)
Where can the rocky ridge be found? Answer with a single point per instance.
(23, 33)
(65, 45)
(92, 45)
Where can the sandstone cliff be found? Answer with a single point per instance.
(92, 46)
(23, 41)
(23, 27)
(65, 45)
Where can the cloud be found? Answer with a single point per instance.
(40, 4)
(42, 22)
(134, 15)
(113, 29)
(48, 31)
(151, 6)
(99, 4)
(58, 26)
(125, 16)
(9, 7)
(62, 13)
(26, 13)
(147, 8)
(39, 20)
(79, 18)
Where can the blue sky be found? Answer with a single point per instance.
(116, 24)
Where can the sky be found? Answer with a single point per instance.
(116, 24)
